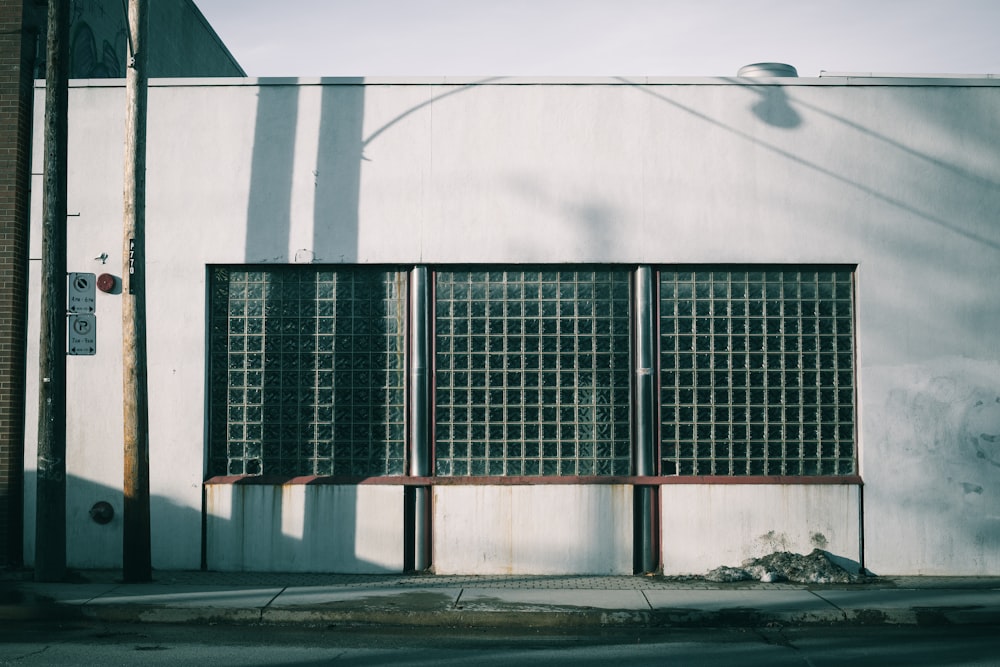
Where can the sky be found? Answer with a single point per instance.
(310, 38)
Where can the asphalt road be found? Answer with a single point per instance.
(85, 643)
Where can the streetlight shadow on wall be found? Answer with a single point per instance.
(773, 107)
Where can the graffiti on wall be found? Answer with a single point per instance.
(98, 33)
(941, 434)
(981, 430)
(98, 36)
(932, 467)
(90, 59)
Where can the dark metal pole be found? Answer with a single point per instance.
(136, 553)
(419, 416)
(644, 386)
(645, 420)
(50, 517)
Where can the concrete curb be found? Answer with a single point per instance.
(538, 619)
(25, 605)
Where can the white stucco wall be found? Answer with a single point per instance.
(932, 461)
(896, 176)
(544, 529)
(753, 520)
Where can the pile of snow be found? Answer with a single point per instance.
(816, 568)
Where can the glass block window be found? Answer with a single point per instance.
(307, 371)
(757, 372)
(532, 372)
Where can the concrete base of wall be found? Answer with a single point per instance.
(543, 529)
(302, 528)
(705, 526)
(529, 529)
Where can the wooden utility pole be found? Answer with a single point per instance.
(136, 553)
(50, 504)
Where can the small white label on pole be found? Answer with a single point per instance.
(131, 266)
(82, 336)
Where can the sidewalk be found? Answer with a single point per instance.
(496, 601)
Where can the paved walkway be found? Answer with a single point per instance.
(497, 601)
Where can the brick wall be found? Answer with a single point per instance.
(18, 20)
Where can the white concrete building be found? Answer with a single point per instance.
(546, 326)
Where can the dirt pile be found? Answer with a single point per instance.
(814, 568)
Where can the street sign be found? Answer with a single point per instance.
(82, 336)
(82, 293)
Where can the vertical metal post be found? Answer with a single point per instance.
(50, 518)
(646, 558)
(418, 498)
(645, 427)
(136, 555)
(862, 570)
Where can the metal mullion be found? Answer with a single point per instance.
(420, 406)
(781, 386)
(815, 386)
(852, 366)
(836, 365)
(506, 380)
(817, 338)
(420, 348)
(801, 409)
(522, 282)
(800, 416)
(711, 371)
(781, 363)
(799, 340)
(817, 354)
(505, 384)
(351, 407)
(644, 433)
(592, 370)
(488, 368)
(644, 332)
(315, 377)
(574, 373)
(464, 424)
(558, 378)
(524, 371)
(746, 364)
(769, 461)
(538, 374)
(855, 463)
(711, 374)
(579, 374)
(659, 415)
(467, 433)
(729, 368)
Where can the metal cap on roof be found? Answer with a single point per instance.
(767, 69)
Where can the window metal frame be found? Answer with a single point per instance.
(561, 421)
(296, 468)
(777, 430)
(411, 476)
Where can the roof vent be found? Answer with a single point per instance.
(758, 70)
